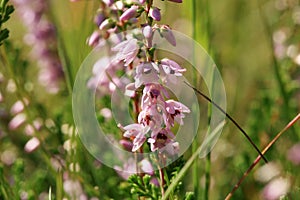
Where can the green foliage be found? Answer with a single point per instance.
(142, 187)
(5, 12)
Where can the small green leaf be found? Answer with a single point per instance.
(3, 35)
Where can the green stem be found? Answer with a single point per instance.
(188, 164)
(195, 81)
(208, 157)
(162, 182)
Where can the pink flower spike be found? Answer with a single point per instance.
(176, 1)
(130, 13)
(155, 13)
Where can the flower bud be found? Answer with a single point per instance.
(94, 39)
(155, 13)
(99, 19)
(107, 24)
(168, 35)
(147, 31)
(130, 13)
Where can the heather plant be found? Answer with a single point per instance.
(125, 99)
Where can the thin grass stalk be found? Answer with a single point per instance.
(256, 161)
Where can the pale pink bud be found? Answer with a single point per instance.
(32, 145)
(176, 1)
(107, 24)
(106, 113)
(94, 39)
(130, 13)
(17, 121)
(126, 144)
(18, 107)
(168, 35)
(142, 1)
(155, 13)
(294, 154)
(147, 31)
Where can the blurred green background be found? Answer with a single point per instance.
(256, 46)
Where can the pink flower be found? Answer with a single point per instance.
(175, 112)
(171, 70)
(152, 117)
(137, 133)
(276, 188)
(155, 13)
(127, 51)
(153, 94)
(162, 141)
(146, 73)
(130, 13)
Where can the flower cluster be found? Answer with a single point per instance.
(42, 37)
(157, 113)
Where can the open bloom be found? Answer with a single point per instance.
(163, 142)
(153, 94)
(137, 133)
(127, 51)
(175, 112)
(146, 73)
(152, 117)
(170, 70)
